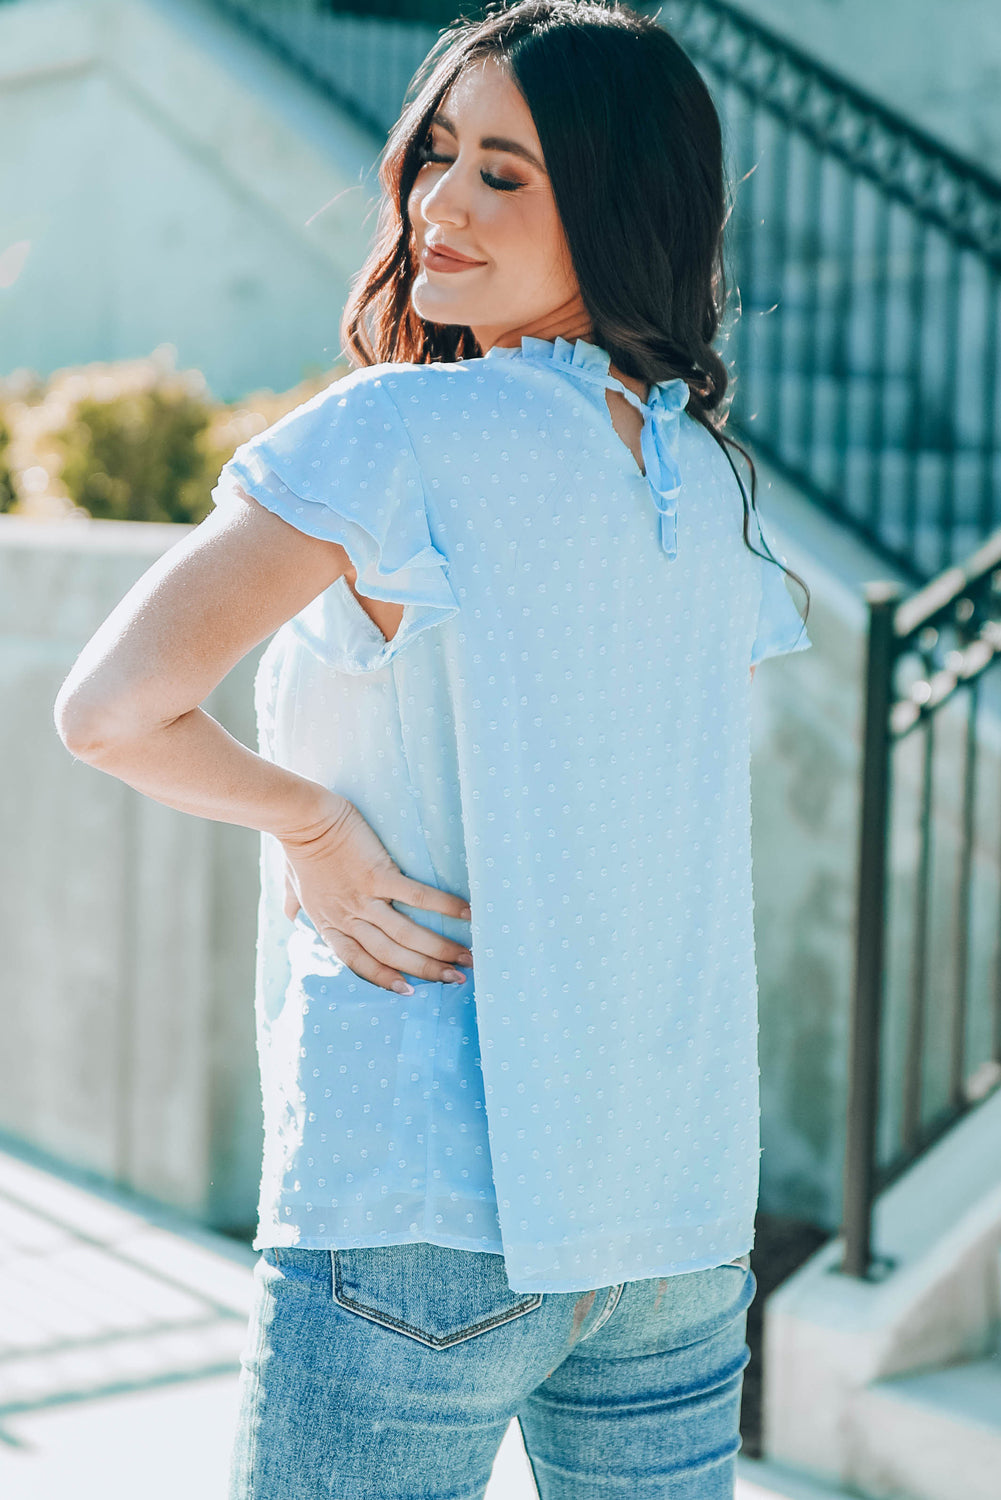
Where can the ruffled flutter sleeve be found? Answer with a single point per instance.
(780, 627)
(342, 467)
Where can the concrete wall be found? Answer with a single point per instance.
(165, 180)
(938, 64)
(127, 928)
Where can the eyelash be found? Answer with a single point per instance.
(502, 184)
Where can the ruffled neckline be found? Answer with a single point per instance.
(660, 434)
(593, 362)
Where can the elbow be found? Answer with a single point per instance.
(87, 728)
(99, 729)
(78, 728)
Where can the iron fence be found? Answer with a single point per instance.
(361, 60)
(868, 262)
(925, 1039)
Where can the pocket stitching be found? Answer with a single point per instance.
(398, 1326)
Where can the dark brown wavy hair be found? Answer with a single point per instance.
(633, 147)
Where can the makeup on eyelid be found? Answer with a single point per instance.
(499, 184)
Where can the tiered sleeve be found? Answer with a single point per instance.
(780, 627)
(342, 467)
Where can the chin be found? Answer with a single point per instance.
(438, 309)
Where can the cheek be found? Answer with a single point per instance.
(530, 224)
(538, 242)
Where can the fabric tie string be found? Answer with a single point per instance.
(659, 447)
(661, 413)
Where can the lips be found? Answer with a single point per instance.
(446, 252)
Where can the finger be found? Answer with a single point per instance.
(426, 897)
(360, 962)
(385, 950)
(415, 937)
(291, 904)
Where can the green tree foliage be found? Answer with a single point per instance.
(130, 440)
(7, 495)
(141, 456)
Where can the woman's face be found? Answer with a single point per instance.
(482, 192)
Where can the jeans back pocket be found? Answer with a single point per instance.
(432, 1293)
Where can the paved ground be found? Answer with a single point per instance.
(120, 1336)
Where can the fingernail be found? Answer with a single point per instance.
(402, 987)
(466, 912)
(466, 957)
(454, 976)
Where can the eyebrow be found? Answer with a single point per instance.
(493, 143)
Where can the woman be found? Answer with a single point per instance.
(515, 613)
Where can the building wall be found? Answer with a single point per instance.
(127, 928)
(172, 183)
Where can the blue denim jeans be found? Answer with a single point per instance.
(393, 1372)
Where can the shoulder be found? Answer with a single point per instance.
(412, 384)
(403, 378)
(351, 429)
(435, 407)
(409, 388)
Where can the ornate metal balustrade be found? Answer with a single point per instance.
(868, 261)
(361, 56)
(925, 1042)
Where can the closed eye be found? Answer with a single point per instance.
(502, 184)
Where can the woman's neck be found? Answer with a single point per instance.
(569, 322)
(550, 328)
(640, 388)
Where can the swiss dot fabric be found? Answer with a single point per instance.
(558, 731)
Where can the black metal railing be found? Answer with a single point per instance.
(361, 60)
(925, 1037)
(866, 355)
(863, 340)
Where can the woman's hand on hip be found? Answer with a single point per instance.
(341, 875)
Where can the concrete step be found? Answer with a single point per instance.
(891, 1386)
(932, 1435)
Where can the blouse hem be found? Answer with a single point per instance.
(271, 1241)
(582, 1283)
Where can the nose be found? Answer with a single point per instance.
(442, 202)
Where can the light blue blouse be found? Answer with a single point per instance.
(559, 731)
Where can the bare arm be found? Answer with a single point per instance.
(130, 704)
(129, 707)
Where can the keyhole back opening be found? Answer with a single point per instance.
(627, 423)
